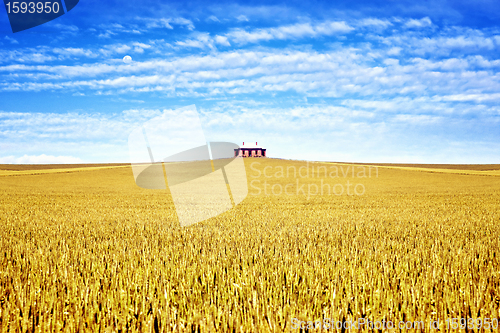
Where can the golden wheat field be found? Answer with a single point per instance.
(86, 250)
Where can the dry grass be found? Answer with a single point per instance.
(477, 167)
(42, 170)
(90, 251)
(24, 167)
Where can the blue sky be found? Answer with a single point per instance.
(369, 81)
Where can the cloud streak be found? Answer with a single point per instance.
(381, 84)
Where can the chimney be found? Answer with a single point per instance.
(243, 143)
(256, 143)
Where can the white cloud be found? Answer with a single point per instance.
(191, 43)
(200, 40)
(184, 22)
(359, 130)
(466, 41)
(241, 36)
(112, 26)
(384, 77)
(74, 52)
(115, 48)
(330, 28)
(26, 55)
(372, 104)
(327, 73)
(64, 27)
(40, 159)
(299, 30)
(221, 40)
(421, 119)
(478, 98)
(11, 40)
(391, 62)
(139, 47)
(106, 34)
(167, 22)
(374, 22)
(394, 51)
(422, 23)
(242, 18)
(213, 18)
(162, 23)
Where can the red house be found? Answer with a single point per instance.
(249, 151)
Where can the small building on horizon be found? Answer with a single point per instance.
(250, 151)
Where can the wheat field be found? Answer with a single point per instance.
(86, 250)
